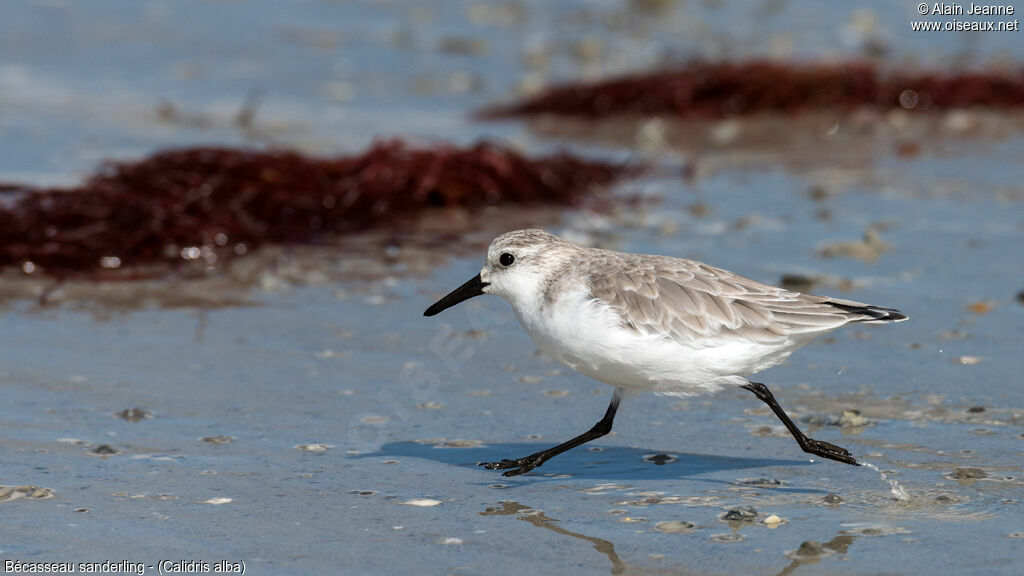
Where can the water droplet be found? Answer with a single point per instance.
(898, 491)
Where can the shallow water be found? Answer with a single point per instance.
(310, 417)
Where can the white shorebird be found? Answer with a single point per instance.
(668, 325)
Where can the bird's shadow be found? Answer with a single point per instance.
(610, 463)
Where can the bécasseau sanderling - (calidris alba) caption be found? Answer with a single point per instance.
(668, 325)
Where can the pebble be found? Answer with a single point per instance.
(741, 514)
(217, 501)
(314, 447)
(8, 493)
(675, 527)
(218, 440)
(852, 419)
(966, 473)
(134, 414)
(728, 537)
(832, 499)
(659, 459)
(772, 520)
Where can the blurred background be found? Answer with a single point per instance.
(114, 80)
(293, 410)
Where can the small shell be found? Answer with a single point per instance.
(422, 502)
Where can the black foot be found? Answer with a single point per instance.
(513, 467)
(830, 451)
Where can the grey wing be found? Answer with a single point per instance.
(692, 302)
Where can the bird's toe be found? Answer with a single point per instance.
(832, 452)
(503, 465)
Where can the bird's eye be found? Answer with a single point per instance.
(506, 259)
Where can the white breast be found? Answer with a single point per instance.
(585, 335)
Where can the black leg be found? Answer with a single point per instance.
(527, 463)
(809, 445)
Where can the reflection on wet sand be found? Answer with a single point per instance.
(537, 518)
(810, 552)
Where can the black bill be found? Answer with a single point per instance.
(474, 287)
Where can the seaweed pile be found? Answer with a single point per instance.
(718, 90)
(208, 204)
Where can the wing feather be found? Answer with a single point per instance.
(694, 303)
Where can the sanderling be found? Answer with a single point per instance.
(668, 325)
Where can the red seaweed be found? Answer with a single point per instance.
(717, 90)
(210, 203)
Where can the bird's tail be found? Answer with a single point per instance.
(868, 314)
